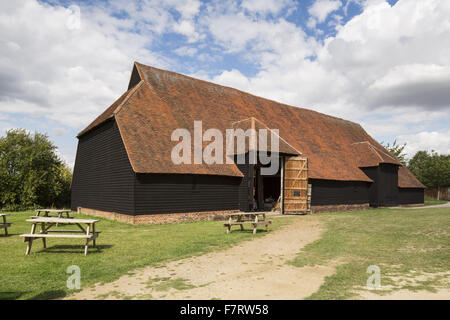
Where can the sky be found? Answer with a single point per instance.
(383, 64)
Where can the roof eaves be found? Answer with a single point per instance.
(116, 112)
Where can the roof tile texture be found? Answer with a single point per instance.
(148, 114)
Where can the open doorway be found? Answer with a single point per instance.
(266, 190)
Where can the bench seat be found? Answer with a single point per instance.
(236, 223)
(70, 231)
(5, 225)
(46, 235)
(261, 223)
(242, 223)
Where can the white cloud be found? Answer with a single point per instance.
(263, 40)
(321, 9)
(426, 140)
(186, 51)
(388, 68)
(266, 6)
(59, 132)
(233, 78)
(52, 71)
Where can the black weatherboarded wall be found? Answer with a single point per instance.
(104, 180)
(102, 177)
(384, 190)
(330, 192)
(410, 195)
(171, 193)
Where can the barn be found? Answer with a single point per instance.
(123, 167)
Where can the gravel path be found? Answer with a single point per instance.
(445, 205)
(254, 269)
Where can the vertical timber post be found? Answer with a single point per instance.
(282, 185)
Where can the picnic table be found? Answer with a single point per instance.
(58, 213)
(4, 224)
(254, 219)
(88, 233)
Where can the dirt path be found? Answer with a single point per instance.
(444, 205)
(440, 294)
(254, 269)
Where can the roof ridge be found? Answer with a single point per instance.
(271, 130)
(278, 135)
(376, 150)
(129, 95)
(241, 91)
(387, 154)
(367, 142)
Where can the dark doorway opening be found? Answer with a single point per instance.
(266, 190)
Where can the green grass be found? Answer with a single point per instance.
(432, 202)
(164, 284)
(401, 242)
(121, 248)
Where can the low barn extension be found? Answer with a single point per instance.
(124, 169)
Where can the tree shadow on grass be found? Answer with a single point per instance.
(2, 235)
(11, 295)
(75, 249)
(47, 295)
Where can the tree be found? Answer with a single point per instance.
(432, 169)
(31, 173)
(396, 150)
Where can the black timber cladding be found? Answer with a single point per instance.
(246, 185)
(103, 178)
(384, 189)
(331, 192)
(172, 193)
(410, 195)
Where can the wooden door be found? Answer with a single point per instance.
(295, 186)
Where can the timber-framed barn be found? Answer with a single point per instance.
(123, 164)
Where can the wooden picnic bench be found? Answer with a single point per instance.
(254, 219)
(88, 234)
(59, 213)
(3, 224)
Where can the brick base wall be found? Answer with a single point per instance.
(162, 218)
(339, 207)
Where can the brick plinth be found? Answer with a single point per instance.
(339, 207)
(162, 218)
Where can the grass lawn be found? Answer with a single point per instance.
(432, 202)
(403, 243)
(120, 249)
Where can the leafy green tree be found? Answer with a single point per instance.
(31, 173)
(432, 169)
(397, 150)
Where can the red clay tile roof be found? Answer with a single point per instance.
(407, 180)
(164, 101)
(255, 124)
(146, 124)
(368, 155)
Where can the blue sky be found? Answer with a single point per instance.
(383, 64)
